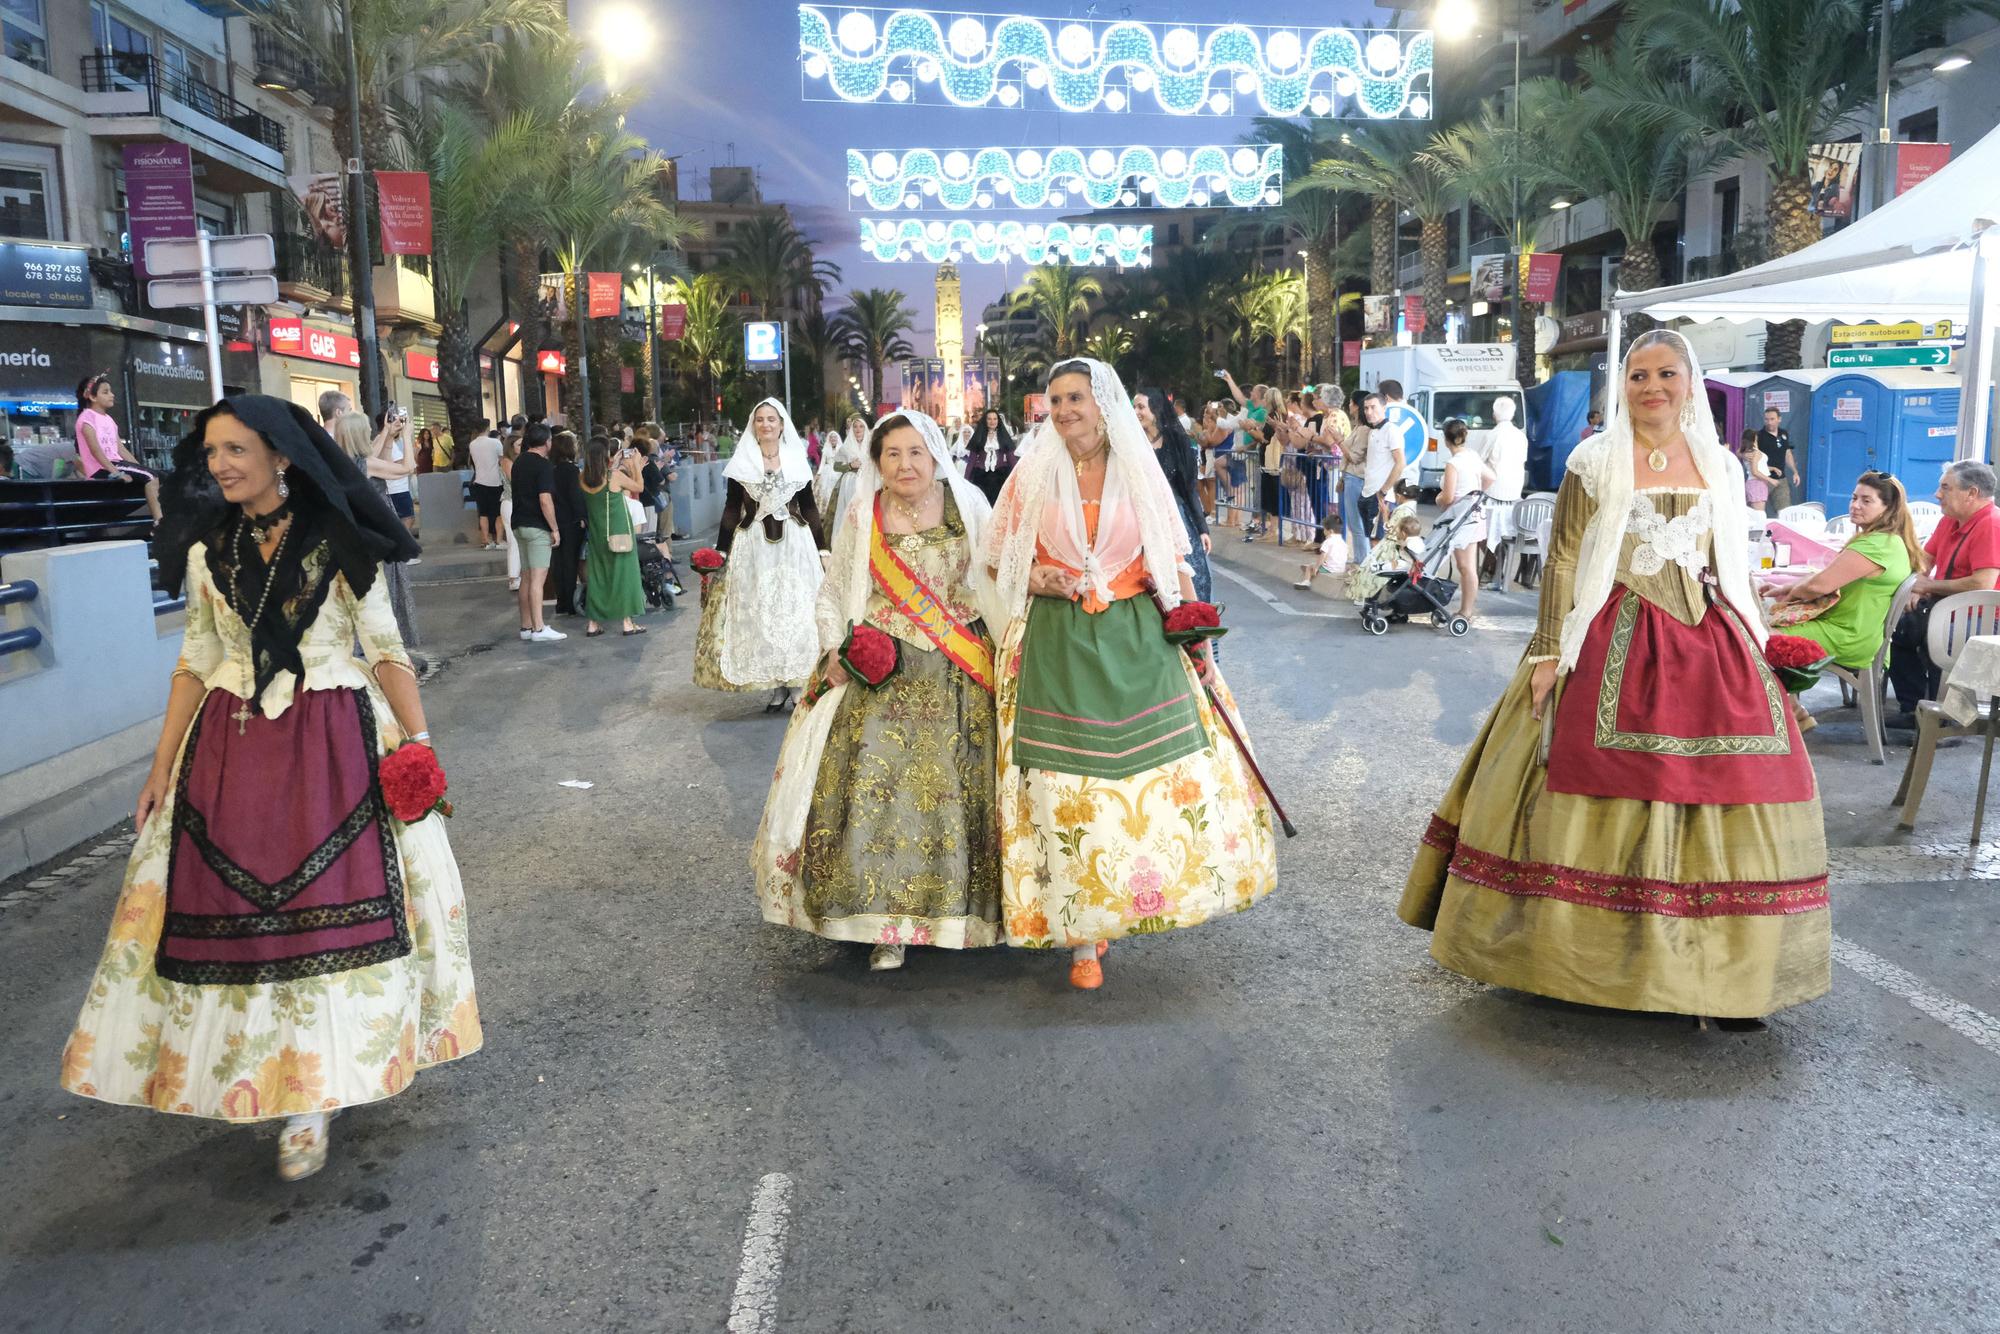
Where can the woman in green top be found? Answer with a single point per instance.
(1876, 560)
(615, 591)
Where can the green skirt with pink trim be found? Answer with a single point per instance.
(1103, 695)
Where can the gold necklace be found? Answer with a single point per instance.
(1089, 459)
(1656, 458)
(913, 515)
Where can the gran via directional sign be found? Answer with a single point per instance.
(1840, 358)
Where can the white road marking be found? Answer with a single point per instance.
(754, 1308)
(1916, 863)
(1961, 1018)
(1270, 600)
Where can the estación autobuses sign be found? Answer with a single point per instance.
(295, 338)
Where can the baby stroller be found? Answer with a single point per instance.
(656, 574)
(1426, 590)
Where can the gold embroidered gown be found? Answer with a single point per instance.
(1670, 855)
(900, 843)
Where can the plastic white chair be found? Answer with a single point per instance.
(1810, 515)
(1953, 621)
(1840, 526)
(1534, 516)
(1926, 509)
(1869, 683)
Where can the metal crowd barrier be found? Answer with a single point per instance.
(26, 638)
(1310, 500)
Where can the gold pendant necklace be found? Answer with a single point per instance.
(1089, 459)
(1656, 459)
(916, 522)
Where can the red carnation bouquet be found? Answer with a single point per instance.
(1796, 661)
(413, 783)
(870, 656)
(1192, 622)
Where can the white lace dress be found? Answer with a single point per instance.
(767, 634)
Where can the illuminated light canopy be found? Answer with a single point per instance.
(1248, 177)
(961, 239)
(864, 54)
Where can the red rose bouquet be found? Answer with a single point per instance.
(707, 560)
(1796, 661)
(413, 783)
(870, 656)
(1192, 622)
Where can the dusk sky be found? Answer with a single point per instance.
(725, 87)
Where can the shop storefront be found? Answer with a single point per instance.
(308, 359)
(167, 386)
(158, 372)
(420, 390)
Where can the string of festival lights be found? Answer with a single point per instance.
(954, 240)
(983, 60)
(1102, 178)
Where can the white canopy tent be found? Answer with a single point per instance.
(1926, 255)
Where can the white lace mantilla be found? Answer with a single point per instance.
(1663, 540)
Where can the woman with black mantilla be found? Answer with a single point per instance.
(282, 946)
(989, 455)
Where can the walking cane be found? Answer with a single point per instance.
(1242, 747)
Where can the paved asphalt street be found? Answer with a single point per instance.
(1288, 1121)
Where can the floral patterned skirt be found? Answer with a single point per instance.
(899, 843)
(261, 1050)
(1088, 859)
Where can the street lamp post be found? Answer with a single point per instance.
(1458, 19)
(359, 249)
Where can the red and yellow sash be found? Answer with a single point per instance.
(908, 594)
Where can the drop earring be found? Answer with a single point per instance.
(284, 491)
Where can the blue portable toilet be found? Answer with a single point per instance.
(1558, 409)
(1903, 422)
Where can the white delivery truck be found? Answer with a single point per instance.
(1445, 380)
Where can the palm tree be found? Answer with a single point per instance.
(819, 347)
(1059, 295)
(399, 46)
(1314, 220)
(1592, 144)
(872, 325)
(770, 260)
(1487, 159)
(703, 347)
(469, 165)
(1387, 161)
(1769, 79)
(1109, 345)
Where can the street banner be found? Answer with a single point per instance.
(1541, 272)
(322, 197)
(1413, 313)
(159, 195)
(1036, 407)
(934, 397)
(628, 380)
(1350, 354)
(406, 211)
(606, 296)
(1833, 171)
(673, 322)
(1376, 313)
(1917, 162)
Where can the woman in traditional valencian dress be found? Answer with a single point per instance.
(757, 630)
(1638, 825)
(283, 946)
(880, 823)
(990, 453)
(1125, 807)
(840, 460)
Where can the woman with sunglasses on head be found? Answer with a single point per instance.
(284, 946)
(97, 442)
(1638, 825)
(1862, 580)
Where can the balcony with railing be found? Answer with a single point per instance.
(280, 68)
(133, 97)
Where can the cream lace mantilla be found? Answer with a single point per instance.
(1663, 540)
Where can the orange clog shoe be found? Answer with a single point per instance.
(1086, 974)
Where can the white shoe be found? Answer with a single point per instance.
(548, 634)
(302, 1146)
(513, 585)
(527, 635)
(414, 560)
(884, 958)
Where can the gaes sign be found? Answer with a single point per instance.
(291, 337)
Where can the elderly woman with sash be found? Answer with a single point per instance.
(284, 946)
(880, 827)
(756, 630)
(1638, 825)
(1126, 805)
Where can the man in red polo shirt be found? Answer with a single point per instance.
(1965, 558)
